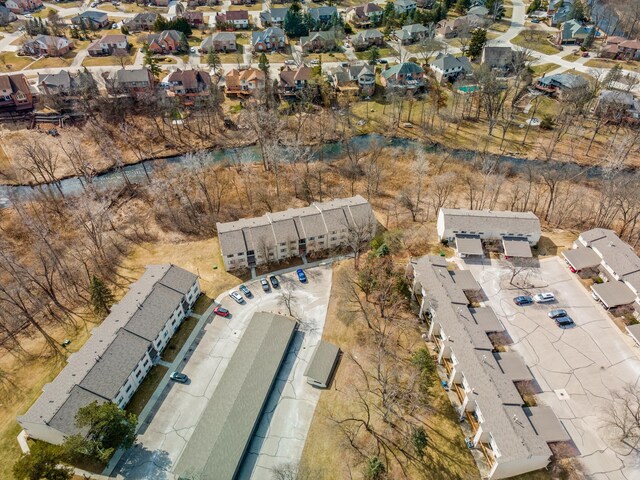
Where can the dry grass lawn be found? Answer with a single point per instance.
(535, 40)
(55, 62)
(326, 452)
(10, 62)
(110, 60)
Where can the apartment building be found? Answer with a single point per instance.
(507, 438)
(615, 260)
(277, 236)
(120, 352)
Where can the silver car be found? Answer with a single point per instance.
(236, 296)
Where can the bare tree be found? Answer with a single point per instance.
(622, 416)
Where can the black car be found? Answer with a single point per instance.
(179, 377)
(523, 300)
(564, 322)
(560, 312)
(265, 284)
(274, 281)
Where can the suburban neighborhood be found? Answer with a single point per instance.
(294, 240)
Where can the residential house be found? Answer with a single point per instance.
(195, 18)
(187, 85)
(602, 251)
(143, 21)
(6, 16)
(561, 84)
(167, 41)
(159, 3)
(60, 83)
(47, 45)
(293, 80)
(219, 42)
(15, 94)
(358, 77)
(367, 39)
(133, 82)
(429, 4)
(559, 11)
(323, 15)
(509, 437)
(244, 82)
(233, 20)
(574, 32)
(616, 104)
(411, 33)
(242, 2)
(517, 231)
(273, 17)
(23, 6)
(91, 19)
(363, 16)
(611, 48)
(479, 11)
(319, 42)
(629, 49)
(451, 28)
(449, 68)
(270, 39)
(497, 57)
(404, 76)
(405, 7)
(295, 232)
(118, 355)
(108, 44)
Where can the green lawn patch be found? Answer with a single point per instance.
(147, 387)
(535, 40)
(179, 338)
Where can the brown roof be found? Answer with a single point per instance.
(615, 40)
(113, 39)
(15, 83)
(289, 76)
(235, 76)
(236, 15)
(189, 78)
(5, 83)
(634, 44)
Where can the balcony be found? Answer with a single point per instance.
(472, 421)
(459, 392)
(448, 365)
(488, 454)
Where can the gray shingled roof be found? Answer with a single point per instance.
(65, 418)
(222, 435)
(481, 220)
(322, 362)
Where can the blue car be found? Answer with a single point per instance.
(523, 300)
(301, 275)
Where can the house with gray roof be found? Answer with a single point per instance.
(322, 41)
(114, 361)
(510, 438)
(277, 236)
(273, 17)
(498, 57)
(405, 7)
(142, 21)
(219, 42)
(323, 15)
(55, 83)
(617, 262)
(403, 76)
(561, 84)
(575, 32)
(6, 16)
(450, 68)
(367, 39)
(517, 231)
(356, 77)
(91, 19)
(411, 33)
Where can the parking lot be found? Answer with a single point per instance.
(577, 368)
(282, 430)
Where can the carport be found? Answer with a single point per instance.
(486, 319)
(516, 247)
(469, 245)
(546, 424)
(513, 366)
(634, 331)
(613, 294)
(465, 280)
(581, 258)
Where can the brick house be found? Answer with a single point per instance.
(357, 77)
(270, 39)
(367, 39)
(404, 76)
(318, 42)
(365, 15)
(187, 84)
(134, 82)
(294, 80)
(91, 19)
(167, 41)
(219, 42)
(15, 94)
(142, 22)
(244, 82)
(411, 33)
(23, 6)
(194, 18)
(108, 44)
(47, 45)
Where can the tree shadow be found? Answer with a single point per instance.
(135, 464)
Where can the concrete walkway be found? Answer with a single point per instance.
(319, 263)
(174, 366)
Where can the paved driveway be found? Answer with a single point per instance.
(282, 430)
(577, 368)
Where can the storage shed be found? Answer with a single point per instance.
(322, 365)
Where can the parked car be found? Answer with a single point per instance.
(564, 322)
(179, 377)
(236, 296)
(557, 313)
(315, 61)
(301, 275)
(585, 54)
(383, 61)
(265, 284)
(193, 50)
(544, 297)
(594, 295)
(289, 62)
(245, 291)
(523, 300)
(28, 15)
(220, 310)
(572, 270)
(535, 20)
(274, 281)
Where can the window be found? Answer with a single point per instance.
(138, 373)
(128, 389)
(230, 256)
(312, 238)
(146, 362)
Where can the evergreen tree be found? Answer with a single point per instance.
(101, 297)
(213, 60)
(534, 5)
(180, 24)
(389, 15)
(160, 24)
(419, 440)
(294, 25)
(591, 36)
(184, 43)
(42, 463)
(477, 42)
(263, 64)
(462, 5)
(578, 11)
(374, 55)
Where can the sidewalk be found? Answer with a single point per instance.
(318, 263)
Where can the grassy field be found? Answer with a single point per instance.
(539, 70)
(256, 7)
(633, 66)
(147, 387)
(44, 13)
(110, 60)
(73, 4)
(384, 52)
(10, 62)
(535, 40)
(327, 57)
(56, 62)
(231, 57)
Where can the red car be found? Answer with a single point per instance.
(220, 310)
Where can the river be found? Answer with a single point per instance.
(137, 173)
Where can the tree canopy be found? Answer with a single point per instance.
(42, 463)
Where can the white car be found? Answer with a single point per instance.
(289, 62)
(544, 297)
(236, 296)
(315, 61)
(28, 15)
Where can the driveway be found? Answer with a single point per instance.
(282, 430)
(577, 369)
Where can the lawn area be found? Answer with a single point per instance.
(56, 62)
(535, 40)
(326, 453)
(327, 57)
(73, 4)
(110, 60)
(10, 62)
(572, 57)
(384, 53)
(130, 8)
(539, 70)
(633, 66)
(256, 7)
(276, 57)
(205, 9)
(179, 338)
(43, 13)
(231, 57)
(243, 38)
(167, 60)
(147, 387)
(501, 26)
